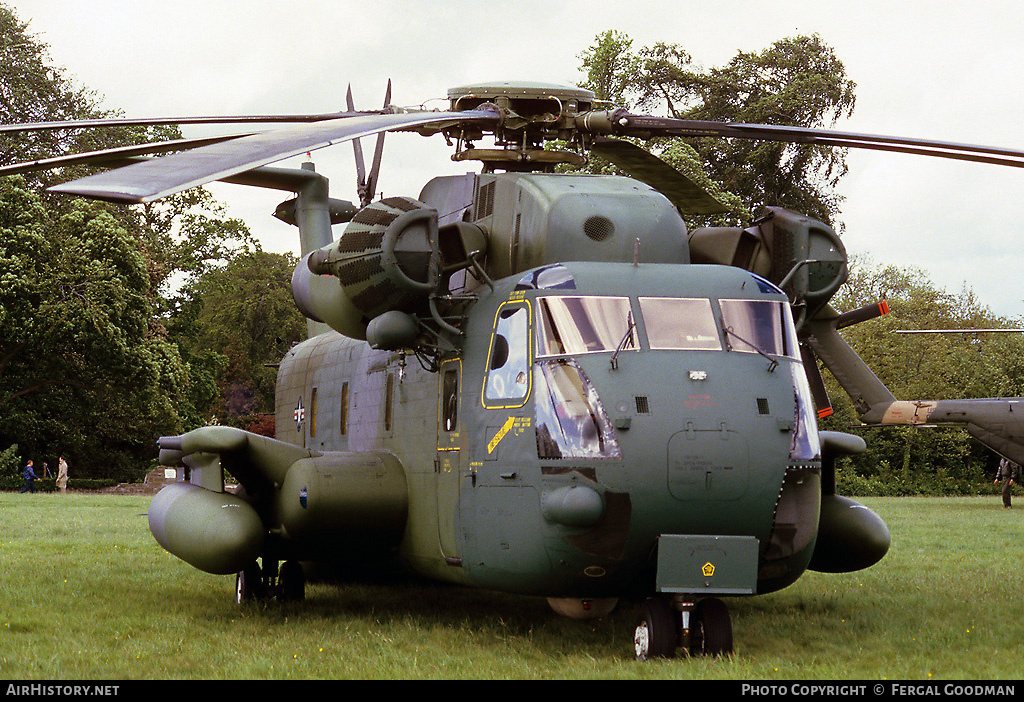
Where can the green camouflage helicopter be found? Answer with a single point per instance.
(536, 382)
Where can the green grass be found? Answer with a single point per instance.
(86, 593)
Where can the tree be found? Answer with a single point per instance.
(32, 90)
(610, 65)
(80, 369)
(88, 290)
(797, 81)
(244, 311)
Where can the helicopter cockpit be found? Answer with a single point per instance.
(551, 343)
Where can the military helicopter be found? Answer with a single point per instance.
(538, 382)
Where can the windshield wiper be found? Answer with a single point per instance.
(773, 364)
(630, 325)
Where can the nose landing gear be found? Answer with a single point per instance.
(664, 624)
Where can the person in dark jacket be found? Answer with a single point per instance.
(30, 477)
(1007, 472)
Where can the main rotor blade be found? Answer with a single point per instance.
(624, 123)
(684, 193)
(114, 154)
(152, 180)
(378, 152)
(358, 150)
(156, 121)
(957, 331)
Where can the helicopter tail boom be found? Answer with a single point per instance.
(996, 422)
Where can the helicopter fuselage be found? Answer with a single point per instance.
(599, 418)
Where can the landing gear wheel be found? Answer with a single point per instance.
(249, 584)
(656, 633)
(710, 629)
(291, 582)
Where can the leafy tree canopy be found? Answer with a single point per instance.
(797, 81)
(81, 370)
(92, 295)
(245, 311)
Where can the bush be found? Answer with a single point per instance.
(10, 469)
(920, 481)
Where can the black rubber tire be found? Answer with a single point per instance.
(249, 584)
(657, 632)
(291, 581)
(710, 629)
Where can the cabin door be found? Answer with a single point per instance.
(448, 456)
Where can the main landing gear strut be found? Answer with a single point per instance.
(288, 583)
(667, 623)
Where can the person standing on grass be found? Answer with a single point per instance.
(62, 474)
(1007, 473)
(30, 477)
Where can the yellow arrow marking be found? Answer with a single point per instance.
(500, 435)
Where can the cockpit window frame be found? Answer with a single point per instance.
(491, 396)
(627, 337)
(709, 324)
(744, 342)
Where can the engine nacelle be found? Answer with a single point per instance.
(214, 531)
(387, 258)
(801, 255)
(322, 299)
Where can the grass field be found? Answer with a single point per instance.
(87, 594)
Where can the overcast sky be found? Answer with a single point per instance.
(938, 69)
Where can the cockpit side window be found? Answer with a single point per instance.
(450, 399)
(507, 382)
(569, 325)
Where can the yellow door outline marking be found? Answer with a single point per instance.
(515, 299)
(500, 435)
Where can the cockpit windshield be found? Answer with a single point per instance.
(759, 326)
(680, 323)
(569, 325)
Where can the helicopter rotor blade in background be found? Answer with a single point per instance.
(623, 123)
(683, 192)
(819, 393)
(152, 180)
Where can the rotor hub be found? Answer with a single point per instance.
(533, 102)
(531, 113)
